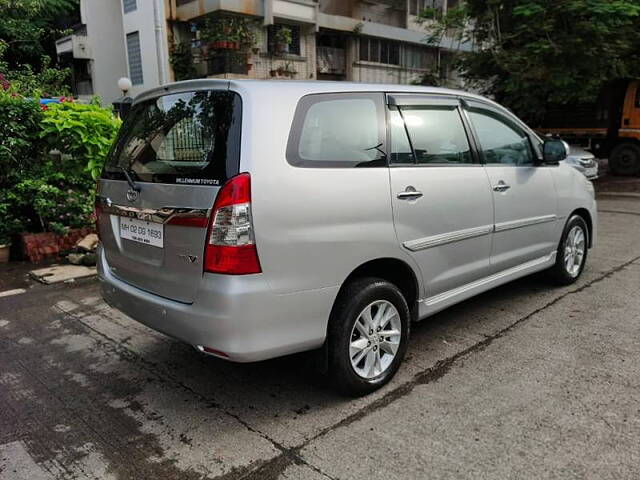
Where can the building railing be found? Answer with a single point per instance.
(331, 60)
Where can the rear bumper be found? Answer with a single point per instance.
(238, 315)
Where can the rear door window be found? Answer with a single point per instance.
(338, 130)
(187, 138)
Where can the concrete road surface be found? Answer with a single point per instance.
(525, 381)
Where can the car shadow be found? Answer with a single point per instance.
(278, 393)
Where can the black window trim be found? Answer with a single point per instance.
(469, 104)
(427, 100)
(303, 106)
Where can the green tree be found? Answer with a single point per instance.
(29, 28)
(531, 53)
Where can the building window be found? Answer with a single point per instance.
(395, 53)
(292, 47)
(418, 6)
(419, 57)
(135, 58)
(379, 51)
(129, 5)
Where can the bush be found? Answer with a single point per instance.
(10, 224)
(52, 203)
(85, 132)
(50, 191)
(20, 143)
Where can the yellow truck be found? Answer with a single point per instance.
(610, 127)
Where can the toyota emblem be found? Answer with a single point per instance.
(132, 195)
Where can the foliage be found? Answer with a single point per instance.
(19, 136)
(30, 27)
(10, 224)
(52, 202)
(49, 81)
(536, 52)
(283, 36)
(181, 59)
(50, 192)
(85, 132)
(229, 28)
(430, 78)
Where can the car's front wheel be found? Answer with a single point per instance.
(368, 334)
(572, 251)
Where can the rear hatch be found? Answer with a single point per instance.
(159, 184)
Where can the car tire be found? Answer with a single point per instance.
(625, 159)
(572, 252)
(375, 358)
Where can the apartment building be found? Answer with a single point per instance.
(158, 41)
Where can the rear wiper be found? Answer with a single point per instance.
(130, 181)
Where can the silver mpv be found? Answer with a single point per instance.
(253, 219)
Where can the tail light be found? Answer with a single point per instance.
(230, 246)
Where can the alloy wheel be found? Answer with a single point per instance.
(375, 339)
(574, 250)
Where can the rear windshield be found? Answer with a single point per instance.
(187, 138)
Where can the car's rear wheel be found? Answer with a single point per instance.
(572, 251)
(368, 334)
(625, 159)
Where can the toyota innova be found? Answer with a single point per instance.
(254, 219)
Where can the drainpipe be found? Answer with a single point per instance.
(160, 50)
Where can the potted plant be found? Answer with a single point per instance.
(228, 33)
(5, 247)
(286, 70)
(283, 39)
(8, 227)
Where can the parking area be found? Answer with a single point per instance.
(525, 381)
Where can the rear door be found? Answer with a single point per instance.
(442, 205)
(177, 149)
(523, 190)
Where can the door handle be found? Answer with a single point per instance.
(501, 187)
(409, 193)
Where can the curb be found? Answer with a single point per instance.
(618, 194)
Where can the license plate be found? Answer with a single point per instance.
(140, 231)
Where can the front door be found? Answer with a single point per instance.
(442, 205)
(524, 194)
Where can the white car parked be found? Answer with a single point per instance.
(583, 161)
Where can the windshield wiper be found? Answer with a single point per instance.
(130, 181)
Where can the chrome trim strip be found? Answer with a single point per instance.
(483, 281)
(524, 222)
(449, 237)
(159, 215)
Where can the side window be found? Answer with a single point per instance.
(437, 135)
(338, 130)
(501, 141)
(400, 146)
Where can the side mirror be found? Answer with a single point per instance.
(554, 150)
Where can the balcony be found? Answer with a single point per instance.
(385, 12)
(76, 44)
(303, 11)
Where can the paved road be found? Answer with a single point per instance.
(525, 381)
